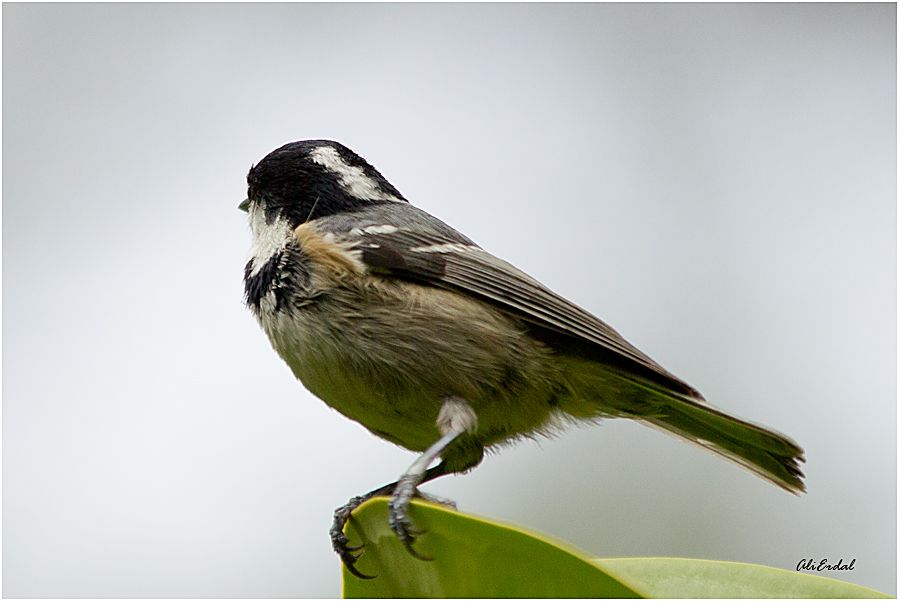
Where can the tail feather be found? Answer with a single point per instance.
(768, 454)
(608, 392)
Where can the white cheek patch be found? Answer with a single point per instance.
(268, 239)
(352, 179)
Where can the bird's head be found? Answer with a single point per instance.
(310, 179)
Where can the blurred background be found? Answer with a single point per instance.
(718, 182)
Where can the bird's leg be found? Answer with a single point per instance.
(339, 541)
(455, 418)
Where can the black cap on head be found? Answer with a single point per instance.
(314, 178)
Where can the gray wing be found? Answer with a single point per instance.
(404, 242)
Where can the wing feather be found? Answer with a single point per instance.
(423, 249)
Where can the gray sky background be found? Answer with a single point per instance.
(718, 182)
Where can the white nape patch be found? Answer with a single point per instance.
(455, 247)
(353, 179)
(268, 239)
(456, 416)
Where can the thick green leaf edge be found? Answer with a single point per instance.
(473, 557)
(480, 557)
(678, 577)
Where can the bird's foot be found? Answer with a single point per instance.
(436, 500)
(399, 513)
(401, 493)
(349, 554)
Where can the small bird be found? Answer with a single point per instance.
(405, 325)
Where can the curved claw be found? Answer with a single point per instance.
(351, 568)
(349, 554)
(404, 530)
(408, 544)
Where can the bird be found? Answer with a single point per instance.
(408, 327)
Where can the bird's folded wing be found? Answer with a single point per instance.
(439, 256)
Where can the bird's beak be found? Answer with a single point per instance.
(245, 205)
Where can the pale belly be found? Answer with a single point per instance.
(387, 361)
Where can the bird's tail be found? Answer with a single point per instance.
(766, 453)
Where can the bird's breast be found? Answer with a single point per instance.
(386, 352)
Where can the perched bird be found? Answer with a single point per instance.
(406, 326)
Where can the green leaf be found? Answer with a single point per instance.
(666, 577)
(475, 557)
